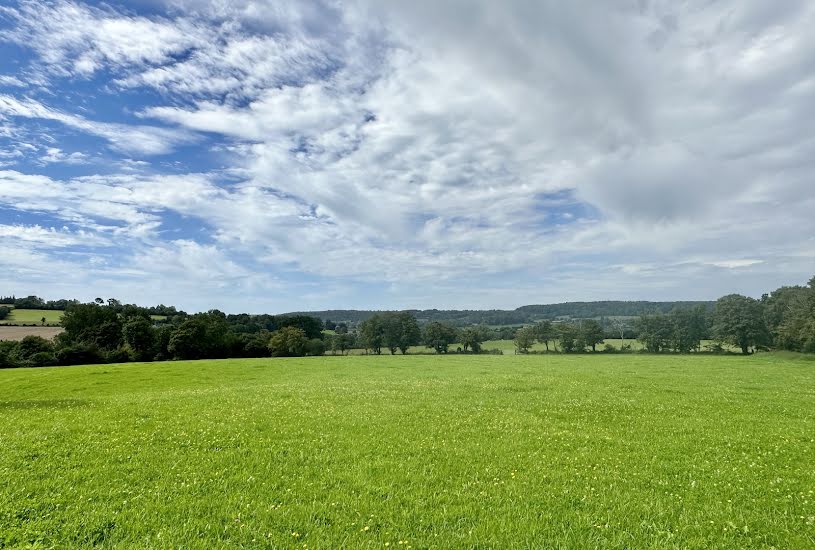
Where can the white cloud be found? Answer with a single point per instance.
(141, 139)
(479, 144)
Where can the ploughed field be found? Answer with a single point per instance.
(412, 452)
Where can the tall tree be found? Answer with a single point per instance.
(590, 334)
(372, 334)
(439, 336)
(524, 339)
(544, 332)
(739, 320)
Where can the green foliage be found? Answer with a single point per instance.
(739, 320)
(204, 335)
(4, 312)
(473, 337)
(545, 331)
(459, 451)
(590, 333)
(439, 336)
(32, 345)
(372, 334)
(315, 347)
(524, 339)
(288, 342)
(569, 337)
(139, 338)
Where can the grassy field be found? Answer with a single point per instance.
(32, 316)
(412, 452)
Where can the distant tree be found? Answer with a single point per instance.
(372, 334)
(439, 336)
(4, 312)
(288, 342)
(311, 326)
(656, 332)
(99, 301)
(590, 333)
(544, 332)
(139, 338)
(341, 328)
(569, 337)
(92, 324)
(524, 339)
(315, 347)
(739, 320)
(473, 337)
(408, 331)
(330, 325)
(689, 328)
(255, 345)
(43, 321)
(202, 336)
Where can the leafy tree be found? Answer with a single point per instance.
(569, 337)
(739, 320)
(590, 333)
(473, 337)
(655, 332)
(404, 327)
(32, 345)
(202, 336)
(544, 332)
(139, 338)
(311, 326)
(524, 339)
(93, 325)
(372, 334)
(315, 347)
(255, 345)
(439, 336)
(4, 312)
(288, 342)
(689, 328)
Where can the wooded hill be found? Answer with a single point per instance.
(519, 316)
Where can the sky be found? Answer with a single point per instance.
(272, 155)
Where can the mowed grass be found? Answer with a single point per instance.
(412, 452)
(32, 316)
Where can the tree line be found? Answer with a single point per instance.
(109, 331)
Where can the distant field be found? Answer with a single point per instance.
(546, 451)
(18, 333)
(29, 316)
(508, 346)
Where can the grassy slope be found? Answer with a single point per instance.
(28, 316)
(460, 451)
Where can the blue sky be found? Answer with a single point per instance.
(270, 156)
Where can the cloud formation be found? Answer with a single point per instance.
(384, 154)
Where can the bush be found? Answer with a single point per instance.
(41, 359)
(608, 348)
(118, 355)
(315, 347)
(79, 355)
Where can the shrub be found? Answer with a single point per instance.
(315, 346)
(41, 359)
(79, 354)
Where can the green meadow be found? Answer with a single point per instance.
(547, 451)
(32, 316)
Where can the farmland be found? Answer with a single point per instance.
(33, 317)
(412, 452)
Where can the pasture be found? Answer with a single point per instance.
(415, 452)
(18, 333)
(32, 317)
